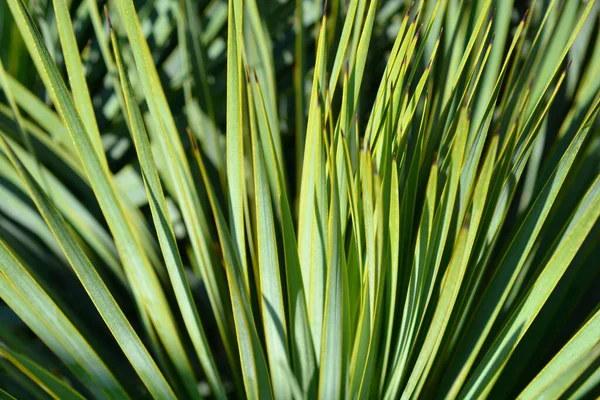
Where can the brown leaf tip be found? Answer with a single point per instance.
(247, 74)
(568, 65)
(108, 20)
(419, 31)
(467, 222)
(410, 7)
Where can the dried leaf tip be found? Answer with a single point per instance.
(409, 10)
(418, 31)
(465, 102)
(108, 20)
(247, 74)
(255, 75)
(493, 15)
(192, 139)
(525, 16)
(568, 65)
(467, 222)
(435, 159)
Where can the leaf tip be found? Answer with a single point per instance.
(108, 20)
(192, 139)
(568, 65)
(467, 222)
(409, 10)
(417, 15)
(418, 31)
(247, 74)
(531, 82)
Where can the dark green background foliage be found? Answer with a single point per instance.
(292, 199)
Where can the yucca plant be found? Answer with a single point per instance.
(299, 199)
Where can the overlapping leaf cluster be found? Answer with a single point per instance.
(238, 199)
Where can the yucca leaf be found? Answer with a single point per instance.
(332, 345)
(178, 173)
(254, 366)
(310, 236)
(40, 113)
(79, 89)
(70, 207)
(302, 348)
(99, 293)
(568, 364)
(97, 171)
(270, 291)
(583, 220)
(191, 43)
(235, 141)
(166, 237)
(56, 388)
(33, 304)
(4, 395)
(437, 238)
(258, 56)
(515, 255)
